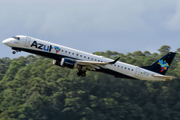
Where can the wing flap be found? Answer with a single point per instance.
(99, 63)
(93, 63)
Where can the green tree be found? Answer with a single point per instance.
(32, 88)
(164, 49)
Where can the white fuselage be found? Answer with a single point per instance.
(45, 48)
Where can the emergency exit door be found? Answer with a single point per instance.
(137, 71)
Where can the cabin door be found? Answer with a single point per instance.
(28, 41)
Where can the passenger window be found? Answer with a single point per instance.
(132, 69)
(77, 54)
(84, 56)
(65, 51)
(88, 57)
(69, 52)
(121, 66)
(125, 68)
(98, 60)
(91, 58)
(80, 55)
(95, 59)
(128, 68)
(118, 65)
(62, 50)
(72, 53)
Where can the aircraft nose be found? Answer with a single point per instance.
(6, 41)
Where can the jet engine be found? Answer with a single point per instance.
(65, 63)
(68, 63)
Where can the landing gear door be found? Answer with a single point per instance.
(28, 41)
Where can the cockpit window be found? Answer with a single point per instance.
(17, 38)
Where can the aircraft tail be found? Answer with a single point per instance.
(162, 65)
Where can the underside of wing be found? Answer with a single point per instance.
(95, 65)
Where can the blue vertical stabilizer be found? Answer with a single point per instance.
(162, 65)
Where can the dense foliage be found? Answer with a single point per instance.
(31, 88)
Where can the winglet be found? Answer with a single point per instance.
(113, 62)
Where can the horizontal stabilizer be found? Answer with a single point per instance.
(164, 76)
(167, 78)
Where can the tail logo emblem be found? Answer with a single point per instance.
(57, 49)
(164, 65)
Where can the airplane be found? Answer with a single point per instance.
(83, 61)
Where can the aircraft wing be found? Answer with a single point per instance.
(95, 65)
(167, 78)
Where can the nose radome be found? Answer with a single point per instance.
(5, 42)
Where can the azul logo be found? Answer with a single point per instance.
(164, 65)
(41, 46)
(57, 49)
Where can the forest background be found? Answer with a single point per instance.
(32, 88)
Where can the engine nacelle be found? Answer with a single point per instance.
(68, 63)
(56, 62)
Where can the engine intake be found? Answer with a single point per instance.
(56, 62)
